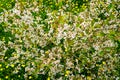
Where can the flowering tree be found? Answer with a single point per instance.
(59, 39)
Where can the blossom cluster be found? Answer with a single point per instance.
(60, 40)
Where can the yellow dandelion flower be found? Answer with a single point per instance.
(47, 52)
(14, 55)
(6, 57)
(66, 49)
(6, 11)
(1, 69)
(89, 78)
(97, 65)
(6, 77)
(104, 62)
(18, 75)
(113, 12)
(30, 77)
(67, 73)
(12, 65)
(48, 78)
(7, 66)
(23, 65)
(20, 40)
(0, 65)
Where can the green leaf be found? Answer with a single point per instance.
(1, 10)
(101, 53)
(58, 75)
(49, 46)
(110, 6)
(42, 77)
(7, 4)
(102, 16)
(43, 14)
(9, 52)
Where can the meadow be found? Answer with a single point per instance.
(59, 39)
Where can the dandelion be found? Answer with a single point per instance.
(20, 40)
(67, 73)
(15, 55)
(6, 57)
(48, 78)
(12, 65)
(1, 69)
(47, 52)
(7, 66)
(113, 12)
(23, 65)
(30, 77)
(0, 65)
(6, 77)
(103, 62)
(89, 78)
(66, 49)
(18, 75)
(97, 65)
